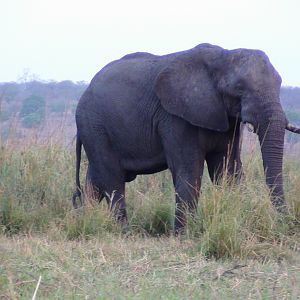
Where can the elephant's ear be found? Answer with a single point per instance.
(188, 92)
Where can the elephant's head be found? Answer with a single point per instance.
(209, 85)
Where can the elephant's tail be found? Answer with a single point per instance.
(77, 193)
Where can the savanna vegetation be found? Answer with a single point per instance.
(236, 246)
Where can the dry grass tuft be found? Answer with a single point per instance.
(235, 246)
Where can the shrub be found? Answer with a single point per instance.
(33, 111)
(57, 106)
(5, 115)
(32, 104)
(32, 120)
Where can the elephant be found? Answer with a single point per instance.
(145, 113)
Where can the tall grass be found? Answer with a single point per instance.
(37, 181)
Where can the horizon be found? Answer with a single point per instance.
(49, 81)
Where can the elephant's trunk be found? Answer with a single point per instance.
(271, 137)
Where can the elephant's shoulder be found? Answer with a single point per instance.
(138, 55)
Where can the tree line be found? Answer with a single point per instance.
(31, 101)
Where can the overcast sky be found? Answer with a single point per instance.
(72, 40)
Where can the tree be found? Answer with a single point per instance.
(33, 111)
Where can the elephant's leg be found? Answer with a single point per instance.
(106, 183)
(185, 159)
(187, 187)
(93, 188)
(226, 159)
(222, 163)
(116, 200)
(216, 164)
(234, 166)
(105, 173)
(101, 183)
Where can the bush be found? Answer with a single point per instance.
(32, 111)
(5, 115)
(32, 120)
(32, 104)
(57, 106)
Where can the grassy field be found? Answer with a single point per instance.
(236, 247)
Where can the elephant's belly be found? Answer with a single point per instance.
(144, 165)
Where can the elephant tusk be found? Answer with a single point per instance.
(293, 128)
(250, 127)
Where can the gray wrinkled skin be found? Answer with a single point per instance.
(145, 113)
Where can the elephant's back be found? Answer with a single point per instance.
(121, 100)
(130, 73)
(125, 85)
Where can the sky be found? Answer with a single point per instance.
(73, 40)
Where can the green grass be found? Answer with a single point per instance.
(136, 268)
(236, 246)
